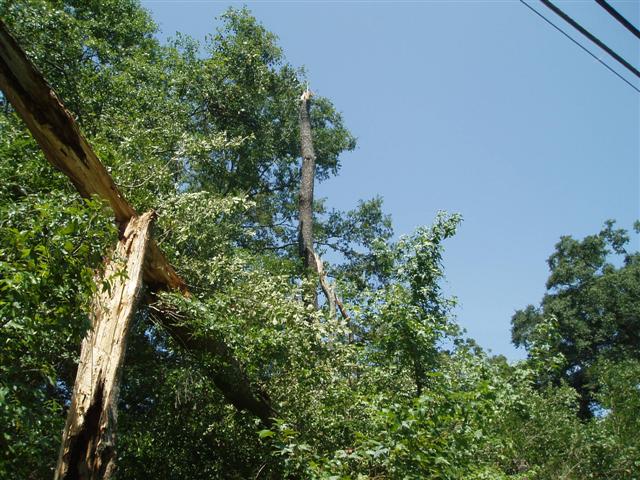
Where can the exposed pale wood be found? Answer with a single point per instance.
(58, 135)
(88, 440)
(329, 290)
(325, 285)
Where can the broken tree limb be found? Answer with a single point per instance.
(88, 440)
(228, 374)
(325, 285)
(343, 311)
(58, 135)
(330, 291)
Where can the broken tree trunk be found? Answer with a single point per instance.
(58, 135)
(325, 285)
(88, 440)
(329, 291)
(311, 260)
(305, 206)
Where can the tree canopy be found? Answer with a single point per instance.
(593, 305)
(208, 136)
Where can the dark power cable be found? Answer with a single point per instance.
(618, 16)
(579, 45)
(591, 37)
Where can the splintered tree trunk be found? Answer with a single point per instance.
(88, 440)
(305, 209)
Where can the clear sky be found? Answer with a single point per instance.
(477, 107)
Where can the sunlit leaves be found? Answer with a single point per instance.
(50, 248)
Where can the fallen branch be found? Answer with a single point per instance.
(228, 374)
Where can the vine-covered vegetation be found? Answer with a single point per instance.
(208, 137)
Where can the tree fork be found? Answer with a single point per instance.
(88, 440)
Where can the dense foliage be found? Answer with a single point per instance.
(208, 136)
(595, 308)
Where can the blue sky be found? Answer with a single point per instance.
(472, 107)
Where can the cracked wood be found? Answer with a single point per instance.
(88, 442)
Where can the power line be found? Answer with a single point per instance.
(618, 16)
(580, 45)
(591, 37)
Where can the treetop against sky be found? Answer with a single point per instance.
(472, 107)
(236, 364)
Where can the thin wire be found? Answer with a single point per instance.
(590, 36)
(580, 45)
(618, 16)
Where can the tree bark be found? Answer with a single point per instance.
(59, 136)
(57, 133)
(305, 208)
(311, 260)
(88, 440)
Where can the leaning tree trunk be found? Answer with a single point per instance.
(64, 146)
(88, 440)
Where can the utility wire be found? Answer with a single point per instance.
(618, 16)
(591, 37)
(580, 45)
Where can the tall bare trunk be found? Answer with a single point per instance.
(311, 260)
(305, 208)
(88, 440)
